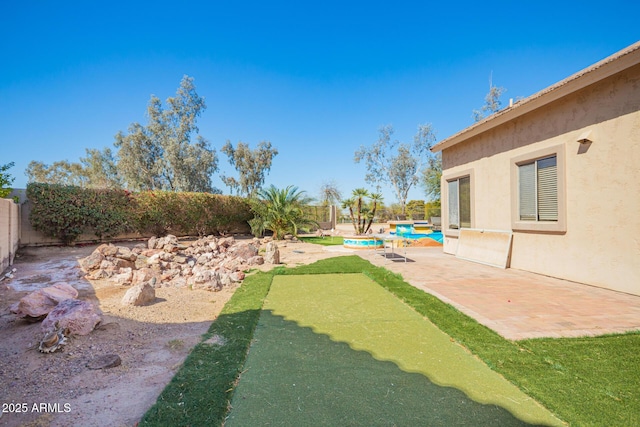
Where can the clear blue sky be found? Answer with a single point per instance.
(316, 79)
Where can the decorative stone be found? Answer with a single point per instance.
(105, 362)
(246, 251)
(142, 275)
(41, 302)
(272, 253)
(125, 254)
(125, 277)
(52, 341)
(141, 294)
(237, 276)
(256, 260)
(73, 316)
(151, 243)
(92, 262)
(141, 261)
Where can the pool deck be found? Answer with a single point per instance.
(516, 304)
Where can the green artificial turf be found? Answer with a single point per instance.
(585, 381)
(340, 350)
(590, 381)
(199, 394)
(325, 241)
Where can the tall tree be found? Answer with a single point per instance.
(61, 172)
(431, 177)
(5, 180)
(415, 209)
(97, 170)
(101, 169)
(396, 164)
(252, 166)
(330, 193)
(361, 210)
(161, 155)
(492, 102)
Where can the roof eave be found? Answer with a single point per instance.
(609, 66)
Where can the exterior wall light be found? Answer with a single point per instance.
(585, 138)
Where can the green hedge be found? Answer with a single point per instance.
(65, 212)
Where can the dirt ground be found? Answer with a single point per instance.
(58, 389)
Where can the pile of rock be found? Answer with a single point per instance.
(209, 263)
(62, 314)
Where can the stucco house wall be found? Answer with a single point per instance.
(9, 232)
(597, 237)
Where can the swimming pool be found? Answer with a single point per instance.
(436, 235)
(408, 230)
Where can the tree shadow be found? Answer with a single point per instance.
(295, 376)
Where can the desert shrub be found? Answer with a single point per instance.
(65, 212)
(109, 212)
(156, 212)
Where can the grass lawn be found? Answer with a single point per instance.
(324, 241)
(338, 349)
(584, 381)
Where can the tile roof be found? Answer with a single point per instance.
(619, 61)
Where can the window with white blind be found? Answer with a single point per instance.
(538, 190)
(459, 202)
(538, 198)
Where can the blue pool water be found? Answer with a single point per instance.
(436, 235)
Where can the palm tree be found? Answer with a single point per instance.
(280, 211)
(365, 211)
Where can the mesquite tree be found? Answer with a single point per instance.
(394, 163)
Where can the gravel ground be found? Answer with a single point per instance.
(58, 389)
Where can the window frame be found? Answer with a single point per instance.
(454, 232)
(558, 226)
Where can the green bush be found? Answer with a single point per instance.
(156, 212)
(65, 212)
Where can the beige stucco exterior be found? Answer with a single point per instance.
(596, 239)
(9, 232)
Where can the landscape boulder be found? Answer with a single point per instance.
(245, 251)
(92, 262)
(272, 253)
(41, 302)
(141, 294)
(73, 316)
(208, 263)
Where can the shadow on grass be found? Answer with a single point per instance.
(294, 376)
(348, 384)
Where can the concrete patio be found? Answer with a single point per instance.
(514, 303)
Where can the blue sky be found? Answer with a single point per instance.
(316, 79)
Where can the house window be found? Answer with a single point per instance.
(538, 195)
(459, 203)
(538, 190)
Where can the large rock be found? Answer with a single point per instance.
(142, 275)
(175, 264)
(245, 251)
(92, 262)
(125, 253)
(272, 253)
(142, 294)
(207, 280)
(107, 249)
(74, 316)
(256, 260)
(39, 303)
(124, 277)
